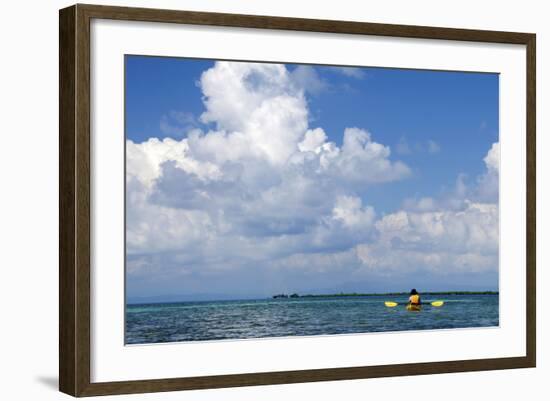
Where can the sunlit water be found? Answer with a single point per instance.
(193, 321)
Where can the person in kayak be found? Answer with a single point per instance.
(414, 298)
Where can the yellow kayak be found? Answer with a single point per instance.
(414, 308)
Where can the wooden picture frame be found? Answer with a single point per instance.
(75, 206)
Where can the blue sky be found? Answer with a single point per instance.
(432, 133)
(458, 111)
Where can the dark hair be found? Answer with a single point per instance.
(413, 292)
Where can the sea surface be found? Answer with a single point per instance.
(219, 320)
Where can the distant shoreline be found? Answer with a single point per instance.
(137, 302)
(376, 294)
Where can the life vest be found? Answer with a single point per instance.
(414, 299)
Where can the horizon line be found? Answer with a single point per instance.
(311, 295)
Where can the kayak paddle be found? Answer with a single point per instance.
(391, 304)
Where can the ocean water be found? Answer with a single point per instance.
(217, 320)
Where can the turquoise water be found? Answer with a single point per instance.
(217, 320)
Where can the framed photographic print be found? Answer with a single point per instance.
(250, 200)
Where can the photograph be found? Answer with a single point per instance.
(282, 200)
